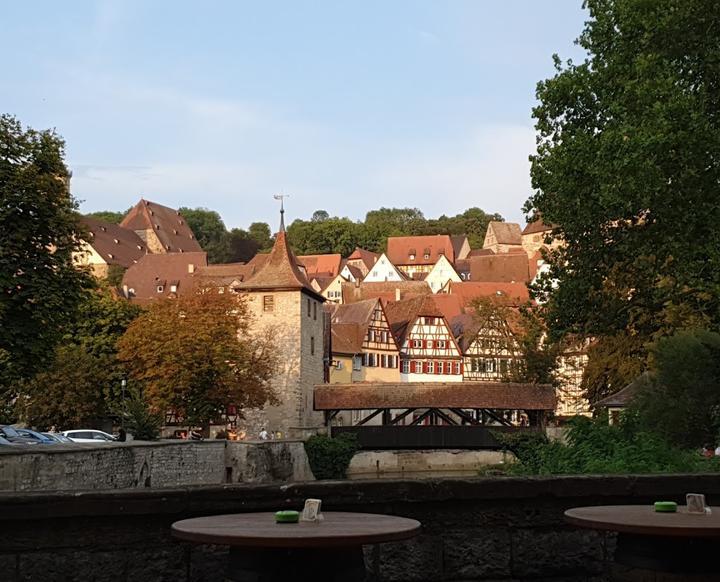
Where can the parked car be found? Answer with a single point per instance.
(88, 436)
(15, 437)
(57, 437)
(4, 441)
(40, 438)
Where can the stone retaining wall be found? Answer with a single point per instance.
(138, 465)
(473, 529)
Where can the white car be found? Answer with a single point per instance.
(89, 436)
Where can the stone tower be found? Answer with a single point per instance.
(283, 303)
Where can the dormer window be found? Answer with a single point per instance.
(411, 257)
(111, 256)
(160, 288)
(191, 236)
(157, 227)
(426, 256)
(175, 231)
(173, 288)
(152, 213)
(167, 247)
(103, 228)
(139, 247)
(116, 241)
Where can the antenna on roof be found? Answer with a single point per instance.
(281, 197)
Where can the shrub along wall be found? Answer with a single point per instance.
(507, 528)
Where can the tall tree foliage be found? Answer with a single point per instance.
(682, 402)
(196, 355)
(210, 232)
(81, 383)
(628, 168)
(39, 231)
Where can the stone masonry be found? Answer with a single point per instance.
(507, 529)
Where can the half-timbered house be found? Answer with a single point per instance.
(490, 346)
(363, 345)
(428, 350)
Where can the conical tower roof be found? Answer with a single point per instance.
(280, 271)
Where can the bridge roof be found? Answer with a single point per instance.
(493, 395)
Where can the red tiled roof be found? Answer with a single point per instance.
(115, 244)
(506, 233)
(449, 305)
(480, 253)
(400, 248)
(386, 290)
(536, 225)
(349, 324)
(458, 241)
(320, 265)
(402, 315)
(504, 267)
(225, 274)
(367, 257)
(347, 338)
(152, 271)
(386, 395)
(169, 226)
(280, 271)
(513, 294)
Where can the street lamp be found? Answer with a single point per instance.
(123, 383)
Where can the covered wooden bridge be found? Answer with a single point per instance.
(434, 414)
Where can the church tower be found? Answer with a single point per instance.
(284, 304)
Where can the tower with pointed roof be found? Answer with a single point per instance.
(284, 305)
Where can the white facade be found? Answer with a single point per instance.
(347, 274)
(383, 270)
(441, 273)
(430, 353)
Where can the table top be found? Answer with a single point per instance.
(644, 520)
(260, 530)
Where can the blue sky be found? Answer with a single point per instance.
(345, 106)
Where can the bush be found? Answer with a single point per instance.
(330, 457)
(140, 421)
(593, 446)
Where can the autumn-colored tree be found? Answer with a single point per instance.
(196, 355)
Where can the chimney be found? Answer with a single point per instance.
(397, 294)
(191, 268)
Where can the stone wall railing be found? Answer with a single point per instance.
(151, 465)
(473, 529)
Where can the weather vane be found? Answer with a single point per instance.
(281, 197)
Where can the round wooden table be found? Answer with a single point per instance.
(682, 545)
(264, 551)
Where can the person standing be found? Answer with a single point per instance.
(263, 434)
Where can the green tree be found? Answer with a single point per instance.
(682, 403)
(320, 215)
(82, 381)
(331, 235)
(241, 248)
(70, 392)
(39, 231)
(613, 362)
(210, 232)
(261, 234)
(628, 166)
(195, 355)
(108, 215)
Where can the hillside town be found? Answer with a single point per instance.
(480, 341)
(409, 314)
